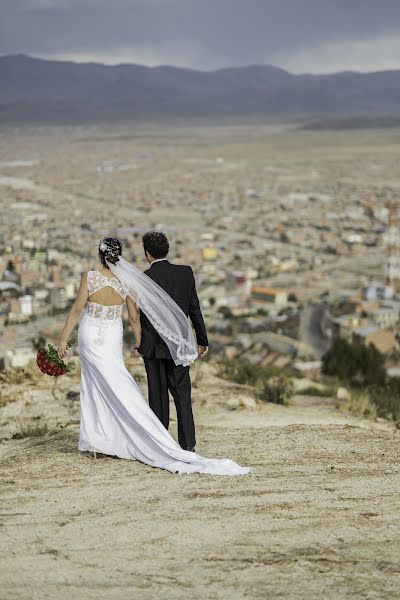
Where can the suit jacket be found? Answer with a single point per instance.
(178, 281)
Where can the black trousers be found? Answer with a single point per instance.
(163, 376)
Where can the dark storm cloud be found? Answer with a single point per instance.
(207, 33)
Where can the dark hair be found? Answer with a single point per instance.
(156, 244)
(109, 249)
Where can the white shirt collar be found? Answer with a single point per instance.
(158, 260)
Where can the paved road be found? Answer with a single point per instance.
(310, 328)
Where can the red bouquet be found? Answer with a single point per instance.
(49, 362)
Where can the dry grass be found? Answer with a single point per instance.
(327, 392)
(12, 379)
(360, 404)
(20, 375)
(197, 374)
(33, 427)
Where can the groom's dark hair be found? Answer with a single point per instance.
(156, 244)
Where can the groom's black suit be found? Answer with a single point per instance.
(162, 373)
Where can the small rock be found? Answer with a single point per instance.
(302, 384)
(230, 352)
(343, 394)
(248, 402)
(232, 404)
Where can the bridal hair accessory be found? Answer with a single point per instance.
(111, 249)
(167, 318)
(49, 362)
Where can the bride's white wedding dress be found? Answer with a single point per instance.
(115, 417)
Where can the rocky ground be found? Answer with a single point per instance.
(319, 517)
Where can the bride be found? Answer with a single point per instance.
(115, 418)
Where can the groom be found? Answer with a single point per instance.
(162, 373)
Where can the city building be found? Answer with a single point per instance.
(276, 296)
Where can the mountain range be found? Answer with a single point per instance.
(37, 91)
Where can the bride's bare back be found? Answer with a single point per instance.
(105, 290)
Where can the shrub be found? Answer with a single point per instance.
(270, 383)
(355, 364)
(377, 401)
(360, 404)
(34, 427)
(226, 312)
(386, 399)
(17, 375)
(328, 392)
(276, 389)
(362, 367)
(244, 372)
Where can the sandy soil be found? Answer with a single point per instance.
(319, 518)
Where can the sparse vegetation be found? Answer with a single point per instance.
(226, 312)
(34, 427)
(197, 374)
(355, 364)
(362, 369)
(386, 399)
(271, 384)
(19, 375)
(277, 389)
(326, 392)
(245, 372)
(360, 404)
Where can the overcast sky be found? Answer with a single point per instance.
(316, 36)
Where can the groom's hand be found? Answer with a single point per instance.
(202, 350)
(136, 353)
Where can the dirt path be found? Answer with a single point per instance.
(318, 519)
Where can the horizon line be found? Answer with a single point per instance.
(198, 70)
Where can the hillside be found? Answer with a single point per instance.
(33, 90)
(317, 519)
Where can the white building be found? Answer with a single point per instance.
(26, 305)
(376, 291)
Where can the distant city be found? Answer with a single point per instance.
(293, 235)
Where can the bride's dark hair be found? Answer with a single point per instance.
(109, 249)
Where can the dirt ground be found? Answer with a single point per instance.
(319, 517)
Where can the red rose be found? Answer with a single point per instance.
(49, 363)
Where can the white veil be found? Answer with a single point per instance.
(167, 318)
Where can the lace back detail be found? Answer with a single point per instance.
(103, 317)
(96, 281)
(99, 311)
